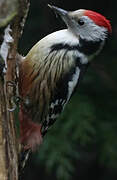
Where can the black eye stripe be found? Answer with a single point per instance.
(80, 22)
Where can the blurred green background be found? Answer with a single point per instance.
(83, 142)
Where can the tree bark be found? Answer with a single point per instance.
(12, 18)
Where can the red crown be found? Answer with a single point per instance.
(99, 19)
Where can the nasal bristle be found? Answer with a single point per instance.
(99, 19)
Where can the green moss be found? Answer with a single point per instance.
(5, 21)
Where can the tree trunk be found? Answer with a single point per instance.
(12, 17)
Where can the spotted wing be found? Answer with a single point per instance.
(65, 88)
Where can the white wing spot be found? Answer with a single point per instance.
(54, 103)
(72, 84)
(54, 116)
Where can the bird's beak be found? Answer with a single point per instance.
(63, 13)
(57, 10)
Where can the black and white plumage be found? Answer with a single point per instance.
(67, 82)
(53, 68)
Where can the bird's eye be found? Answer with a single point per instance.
(80, 22)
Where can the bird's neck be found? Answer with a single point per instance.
(64, 42)
(65, 39)
(85, 49)
(89, 47)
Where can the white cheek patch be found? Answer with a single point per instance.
(92, 32)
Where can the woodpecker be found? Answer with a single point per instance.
(53, 68)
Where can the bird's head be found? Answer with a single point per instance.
(85, 24)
